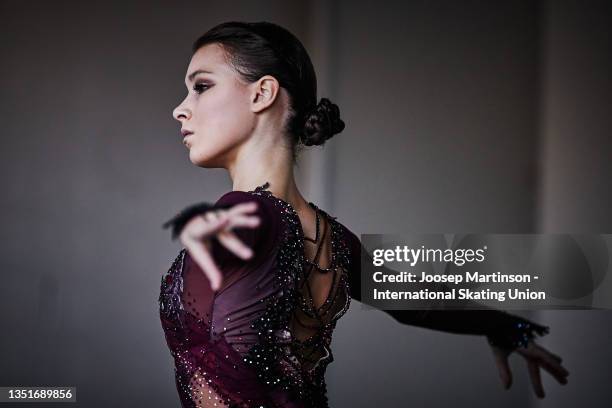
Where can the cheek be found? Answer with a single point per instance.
(224, 121)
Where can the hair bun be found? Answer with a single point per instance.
(321, 123)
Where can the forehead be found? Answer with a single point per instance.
(210, 57)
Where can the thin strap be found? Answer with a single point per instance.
(316, 238)
(317, 254)
(315, 260)
(314, 263)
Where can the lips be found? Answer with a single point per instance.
(186, 132)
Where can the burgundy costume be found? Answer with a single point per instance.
(260, 340)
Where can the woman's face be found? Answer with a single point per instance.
(215, 115)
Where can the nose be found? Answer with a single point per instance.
(181, 112)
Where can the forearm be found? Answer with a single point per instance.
(501, 328)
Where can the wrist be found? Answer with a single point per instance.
(515, 332)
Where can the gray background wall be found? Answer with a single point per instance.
(461, 116)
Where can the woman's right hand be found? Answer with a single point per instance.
(196, 235)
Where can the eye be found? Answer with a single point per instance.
(200, 87)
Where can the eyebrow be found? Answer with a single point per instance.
(197, 72)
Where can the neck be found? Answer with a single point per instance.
(254, 167)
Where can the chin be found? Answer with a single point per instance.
(206, 161)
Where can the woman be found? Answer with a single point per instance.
(249, 306)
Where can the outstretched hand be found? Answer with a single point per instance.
(196, 235)
(536, 357)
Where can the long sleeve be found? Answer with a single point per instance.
(501, 328)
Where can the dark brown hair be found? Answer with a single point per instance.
(262, 48)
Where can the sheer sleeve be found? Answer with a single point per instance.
(501, 328)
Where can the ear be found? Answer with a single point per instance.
(264, 93)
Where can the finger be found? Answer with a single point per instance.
(544, 353)
(236, 216)
(536, 380)
(550, 360)
(234, 244)
(216, 221)
(242, 208)
(201, 227)
(213, 216)
(556, 357)
(236, 221)
(231, 241)
(202, 258)
(501, 360)
(556, 370)
(554, 364)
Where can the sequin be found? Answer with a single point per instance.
(516, 334)
(289, 355)
(275, 354)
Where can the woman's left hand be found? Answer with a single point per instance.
(536, 357)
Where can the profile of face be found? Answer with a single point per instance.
(217, 114)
